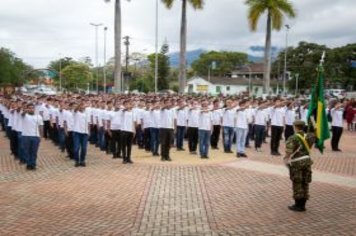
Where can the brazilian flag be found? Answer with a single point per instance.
(317, 111)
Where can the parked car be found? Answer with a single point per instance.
(337, 93)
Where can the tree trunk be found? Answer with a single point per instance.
(183, 45)
(267, 58)
(117, 73)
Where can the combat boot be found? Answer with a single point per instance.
(296, 206)
(302, 204)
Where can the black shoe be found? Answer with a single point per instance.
(336, 150)
(247, 146)
(168, 159)
(77, 164)
(83, 164)
(30, 167)
(238, 155)
(124, 162)
(156, 154)
(130, 162)
(297, 206)
(243, 155)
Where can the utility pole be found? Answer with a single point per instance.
(104, 67)
(96, 54)
(127, 57)
(285, 61)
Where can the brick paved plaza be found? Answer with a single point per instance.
(220, 196)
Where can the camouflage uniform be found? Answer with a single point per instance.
(300, 171)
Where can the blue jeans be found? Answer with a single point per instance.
(154, 140)
(80, 143)
(20, 151)
(101, 138)
(241, 135)
(204, 142)
(61, 139)
(30, 145)
(180, 136)
(228, 136)
(259, 135)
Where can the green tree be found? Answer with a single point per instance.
(196, 4)
(225, 62)
(12, 68)
(276, 10)
(163, 67)
(77, 75)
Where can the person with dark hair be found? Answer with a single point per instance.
(277, 125)
(241, 129)
(167, 126)
(217, 114)
(31, 135)
(337, 125)
(128, 129)
(193, 124)
(289, 120)
(182, 117)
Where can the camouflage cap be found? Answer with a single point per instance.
(299, 123)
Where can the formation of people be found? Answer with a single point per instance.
(114, 123)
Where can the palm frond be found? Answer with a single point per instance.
(286, 7)
(197, 4)
(277, 19)
(168, 3)
(254, 14)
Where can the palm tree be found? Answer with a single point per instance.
(118, 70)
(196, 4)
(276, 9)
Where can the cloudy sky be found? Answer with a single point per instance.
(43, 30)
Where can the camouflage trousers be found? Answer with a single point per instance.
(301, 176)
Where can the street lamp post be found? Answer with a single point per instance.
(156, 50)
(96, 54)
(104, 66)
(296, 84)
(285, 60)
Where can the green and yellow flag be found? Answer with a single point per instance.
(317, 110)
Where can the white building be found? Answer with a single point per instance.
(223, 85)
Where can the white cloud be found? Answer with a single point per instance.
(41, 30)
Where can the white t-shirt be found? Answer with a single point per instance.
(167, 119)
(229, 117)
(155, 115)
(69, 119)
(261, 116)
(115, 120)
(182, 117)
(277, 116)
(147, 119)
(205, 120)
(337, 117)
(217, 115)
(31, 125)
(290, 116)
(193, 118)
(242, 119)
(128, 119)
(81, 122)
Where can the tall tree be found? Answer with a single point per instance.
(77, 75)
(196, 4)
(12, 68)
(276, 10)
(163, 67)
(118, 29)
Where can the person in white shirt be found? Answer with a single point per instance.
(289, 120)
(139, 112)
(114, 125)
(44, 112)
(100, 124)
(31, 135)
(167, 126)
(81, 130)
(108, 138)
(146, 126)
(277, 124)
(217, 114)
(260, 122)
(154, 131)
(337, 125)
(193, 124)
(68, 123)
(228, 123)
(128, 129)
(205, 127)
(182, 117)
(241, 128)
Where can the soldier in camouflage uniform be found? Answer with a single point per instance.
(299, 163)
